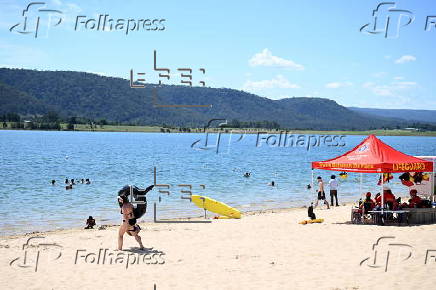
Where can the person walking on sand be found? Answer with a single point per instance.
(333, 184)
(128, 225)
(321, 193)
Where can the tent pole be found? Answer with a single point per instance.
(361, 178)
(382, 193)
(432, 183)
(311, 183)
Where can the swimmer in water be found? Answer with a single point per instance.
(247, 174)
(67, 181)
(272, 183)
(87, 181)
(53, 182)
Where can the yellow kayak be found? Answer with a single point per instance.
(215, 206)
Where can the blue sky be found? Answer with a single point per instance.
(275, 49)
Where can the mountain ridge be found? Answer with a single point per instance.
(88, 95)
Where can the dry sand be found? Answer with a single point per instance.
(268, 250)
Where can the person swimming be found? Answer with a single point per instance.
(87, 181)
(247, 174)
(53, 182)
(272, 183)
(72, 181)
(67, 181)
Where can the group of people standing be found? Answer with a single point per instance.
(333, 186)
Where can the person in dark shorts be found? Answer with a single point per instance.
(321, 193)
(333, 184)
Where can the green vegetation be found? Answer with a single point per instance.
(64, 100)
(155, 129)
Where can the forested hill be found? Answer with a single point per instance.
(80, 94)
(427, 116)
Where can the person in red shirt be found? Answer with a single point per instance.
(388, 196)
(415, 200)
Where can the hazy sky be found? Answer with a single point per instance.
(276, 49)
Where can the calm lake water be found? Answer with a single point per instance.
(29, 160)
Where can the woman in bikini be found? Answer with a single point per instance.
(129, 225)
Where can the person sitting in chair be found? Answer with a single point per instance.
(368, 204)
(388, 197)
(414, 200)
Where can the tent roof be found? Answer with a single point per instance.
(374, 156)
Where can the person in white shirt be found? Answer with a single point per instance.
(333, 184)
(321, 193)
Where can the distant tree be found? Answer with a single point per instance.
(17, 125)
(235, 123)
(51, 117)
(13, 117)
(5, 125)
(72, 120)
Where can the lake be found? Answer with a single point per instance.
(29, 160)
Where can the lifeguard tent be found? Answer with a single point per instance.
(374, 156)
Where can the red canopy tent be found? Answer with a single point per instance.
(374, 156)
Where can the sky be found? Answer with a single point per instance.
(276, 49)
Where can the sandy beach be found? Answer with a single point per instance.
(263, 250)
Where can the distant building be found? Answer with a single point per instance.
(28, 125)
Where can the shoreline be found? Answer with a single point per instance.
(148, 223)
(152, 129)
